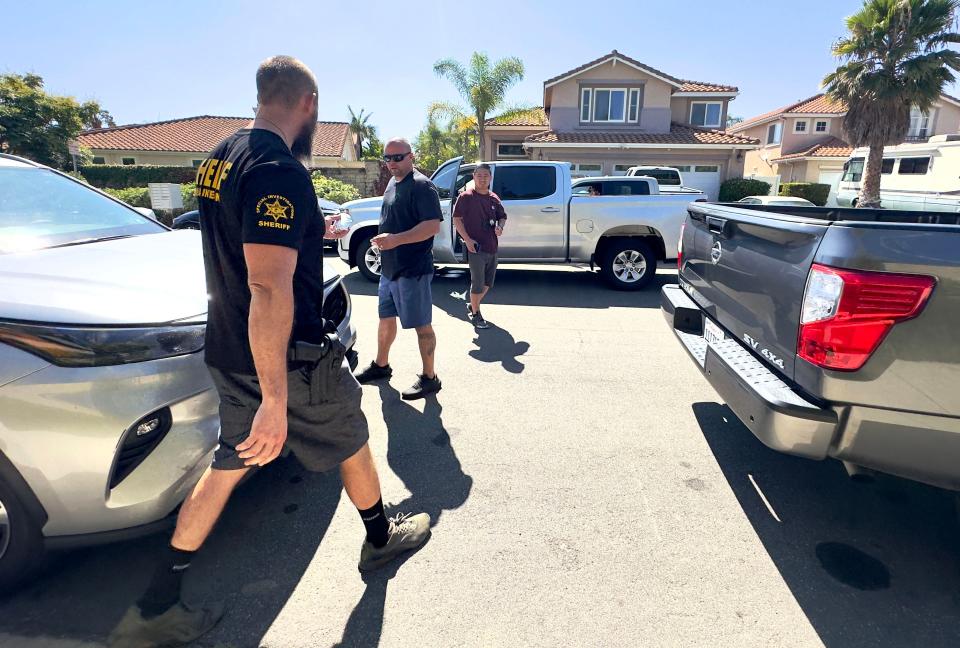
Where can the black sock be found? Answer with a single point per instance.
(376, 523)
(164, 590)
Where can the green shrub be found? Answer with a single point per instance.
(77, 175)
(734, 189)
(335, 190)
(189, 199)
(114, 176)
(133, 196)
(812, 191)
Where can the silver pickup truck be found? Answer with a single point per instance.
(625, 232)
(829, 332)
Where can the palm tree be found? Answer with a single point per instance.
(483, 87)
(894, 58)
(361, 126)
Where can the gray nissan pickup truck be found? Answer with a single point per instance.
(829, 332)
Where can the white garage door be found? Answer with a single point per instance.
(831, 178)
(705, 177)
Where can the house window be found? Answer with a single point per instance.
(706, 113)
(585, 96)
(706, 168)
(513, 149)
(913, 166)
(919, 124)
(821, 126)
(621, 169)
(800, 126)
(99, 160)
(128, 161)
(683, 168)
(609, 104)
(775, 133)
(633, 114)
(586, 170)
(886, 167)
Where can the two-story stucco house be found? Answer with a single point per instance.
(805, 142)
(615, 112)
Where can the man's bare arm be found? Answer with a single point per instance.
(270, 271)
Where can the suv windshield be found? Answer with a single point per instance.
(42, 209)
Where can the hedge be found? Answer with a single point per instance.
(812, 191)
(114, 176)
(333, 189)
(736, 188)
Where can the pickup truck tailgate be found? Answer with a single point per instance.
(748, 271)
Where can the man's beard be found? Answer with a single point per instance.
(302, 147)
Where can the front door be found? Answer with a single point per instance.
(533, 197)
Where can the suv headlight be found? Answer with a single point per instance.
(81, 346)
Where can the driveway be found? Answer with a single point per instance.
(587, 488)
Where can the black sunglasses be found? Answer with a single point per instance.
(396, 157)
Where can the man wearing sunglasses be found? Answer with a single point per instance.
(409, 219)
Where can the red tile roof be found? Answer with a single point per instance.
(678, 134)
(830, 148)
(685, 86)
(199, 135)
(532, 117)
(818, 105)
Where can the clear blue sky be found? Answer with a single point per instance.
(179, 59)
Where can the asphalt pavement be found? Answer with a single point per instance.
(587, 489)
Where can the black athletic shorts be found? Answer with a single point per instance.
(321, 434)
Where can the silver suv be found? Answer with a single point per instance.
(107, 412)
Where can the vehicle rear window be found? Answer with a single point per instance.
(524, 182)
(662, 176)
(40, 209)
(886, 167)
(624, 188)
(913, 166)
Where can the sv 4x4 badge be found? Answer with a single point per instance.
(764, 352)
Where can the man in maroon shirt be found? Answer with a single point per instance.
(479, 218)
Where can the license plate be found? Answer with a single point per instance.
(711, 332)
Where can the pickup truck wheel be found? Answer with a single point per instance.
(628, 265)
(21, 543)
(368, 259)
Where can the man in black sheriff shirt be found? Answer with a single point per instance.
(280, 372)
(409, 219)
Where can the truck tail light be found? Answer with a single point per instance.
(847, 313)
(683, 226)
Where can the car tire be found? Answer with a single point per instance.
(21, 540)
(628, 264)
(367, 259)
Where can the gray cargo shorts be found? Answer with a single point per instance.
(321, 434)
(483, 270)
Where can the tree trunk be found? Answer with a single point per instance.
(870, 191)
(481, 145)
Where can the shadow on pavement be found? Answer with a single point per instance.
(870, 564)
(420, 454)
(253, 561)
(525, 287)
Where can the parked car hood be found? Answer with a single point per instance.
(148, 279)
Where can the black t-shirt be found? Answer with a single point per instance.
(252, 190)
(406, 204)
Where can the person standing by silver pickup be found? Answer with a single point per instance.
(479, 218)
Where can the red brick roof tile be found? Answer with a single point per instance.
(199, 135)
(684, 85)
(818, 105)
(832, 147)
(679, 134)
